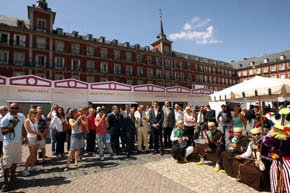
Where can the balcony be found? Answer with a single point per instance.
(59, 67)
(19, 43)
(40, 65)
(19, 63)
(3, 61)
(4, 42)
(117, 72)
(92, 70)
(90, 53)
(41, 30)
(40, 46)
(75, 51)
(77, 69)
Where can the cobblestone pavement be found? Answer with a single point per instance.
(141, 173)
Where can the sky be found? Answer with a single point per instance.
(219, 29)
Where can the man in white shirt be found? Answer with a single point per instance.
(178, 113)
(142, 126)
(13, 132)
(51, 116)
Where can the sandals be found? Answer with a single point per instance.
(78, 165)
(66, 169)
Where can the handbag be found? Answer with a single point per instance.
(65, 127)
(39, 137)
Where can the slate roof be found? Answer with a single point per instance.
(261, 59)
(12, 21)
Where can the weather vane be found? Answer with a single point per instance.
(160, 13)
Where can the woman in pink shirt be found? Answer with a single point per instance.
(101, 134)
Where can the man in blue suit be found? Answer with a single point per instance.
(156, 120)
(130, 130)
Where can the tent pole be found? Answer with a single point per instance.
(261, 116)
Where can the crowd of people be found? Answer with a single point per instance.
(232, 140)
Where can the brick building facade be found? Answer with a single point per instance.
(275, 65)
(33, 46)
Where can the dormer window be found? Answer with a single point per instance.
(41, 25)
(282, 57)
(266, 60)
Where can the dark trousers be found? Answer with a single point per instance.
(68, 135)
(60, 138)
(91, 141)
(167, 134)
(123, 136)
(151, 139)
(157, 135)
(115, 143)
(130, 142)
(189, 131)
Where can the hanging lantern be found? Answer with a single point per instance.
(270, 91)
(256, 93)
(244, 94)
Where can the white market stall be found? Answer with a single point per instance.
(33, 90)
(256, 89)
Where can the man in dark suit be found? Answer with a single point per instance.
(168, 123)
(209, 116)
(130, 131)
(114, 129)
(156, 120)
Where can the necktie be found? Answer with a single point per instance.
(141, 121)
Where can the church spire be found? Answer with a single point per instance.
(161, 35)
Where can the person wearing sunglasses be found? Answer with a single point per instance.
(31, 126)
(13, 133)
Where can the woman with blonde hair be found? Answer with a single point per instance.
(77, 137)
(31, 126)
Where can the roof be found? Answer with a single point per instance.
(261, 59)
(12, 21)
(202, 59)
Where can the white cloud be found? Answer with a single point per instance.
(187, 26)
(192, 31)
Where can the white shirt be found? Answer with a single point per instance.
(33, 127)
(178, 115)
(56, 123)
(188, 117)
(248, 153)
(53, 115)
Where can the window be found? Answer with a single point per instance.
(245, 73)
(282, 66)
(59, 46)
(76, 64)
(58, 77)
(273, 76)
(181, 65)
(167, 63)
(158, 61)
(149, 72)
(128, 56)
(251, 72)
(181, 76)
(59, 63)
(90, 51)
(41, 61)
(205, 78)
(213, 70)
(288, 75)
(104, 53)
(75, 77)
(176, 75)
(266, 60)
(175, 64)
(139, 82)
(189, 66)
(4, 38)
(19, 40)
(117, 54)
(117, 69)
(139, 71)
(265, 69)
(149, 60)
(139, 58)
(19, 59)
(103, 79)
(90, 66)
(129, 70)
(189, 77)
(130, 82)
(283, 75)
(167, 74)
(288, 64)
(41, 43)
(75, 49)
(4, 56)
(282, 57)
(41, 25)
(273, 68)
(90, 79)
(104, 67)
(166, 50)
(159, 73)
(258, 70)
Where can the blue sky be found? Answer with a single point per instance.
(218, 29)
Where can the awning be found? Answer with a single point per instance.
(113, 103)
(26, 101)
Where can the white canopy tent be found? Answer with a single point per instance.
(257, 88)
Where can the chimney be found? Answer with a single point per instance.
(59, 31)
(75, 34)
(102, 39)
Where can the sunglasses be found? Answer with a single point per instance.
(34, 112)
(14, 108)
(256, 134)
(4, 110)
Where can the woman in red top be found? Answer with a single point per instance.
(102, 136)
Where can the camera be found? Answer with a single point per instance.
(14, 119)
